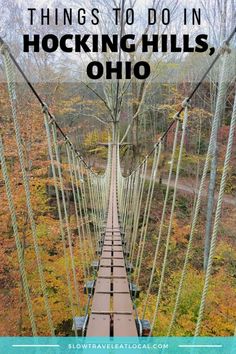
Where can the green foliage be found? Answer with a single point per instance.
(92, 141)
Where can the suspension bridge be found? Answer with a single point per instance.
(116, 245)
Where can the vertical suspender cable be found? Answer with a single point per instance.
(162, 217)
(135, 231)
(80, 212)
(48, 133)
(149, 207)
(219, 103)
(55, 145)
(12, 94)
(145, 217)
(17, 239)
(76, 208)
(185, 105)
(217, 220)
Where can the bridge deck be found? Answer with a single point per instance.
(112, 310)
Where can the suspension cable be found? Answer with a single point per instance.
(4, 48)
(177, 115)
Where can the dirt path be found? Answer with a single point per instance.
(187, 186)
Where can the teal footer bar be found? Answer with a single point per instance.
(119, 345)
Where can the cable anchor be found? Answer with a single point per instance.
(186, 103)
(224, 48)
